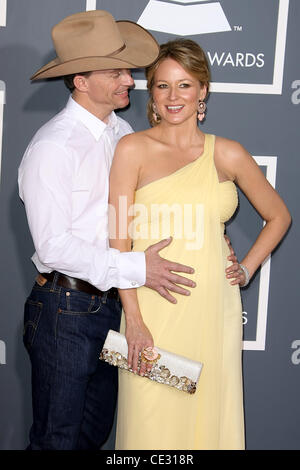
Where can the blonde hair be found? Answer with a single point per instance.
(189, 55)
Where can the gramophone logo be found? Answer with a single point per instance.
(189, 18)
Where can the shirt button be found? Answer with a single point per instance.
(133, 283)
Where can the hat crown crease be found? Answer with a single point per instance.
(98, 36)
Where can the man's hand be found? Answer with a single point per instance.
(160, 275)
(234, 271)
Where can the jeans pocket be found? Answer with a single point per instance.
(32, 314)
(78, 303)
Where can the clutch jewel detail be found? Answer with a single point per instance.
(158, 373)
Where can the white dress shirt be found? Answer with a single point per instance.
(63, 181)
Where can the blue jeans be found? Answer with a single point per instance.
(73, 392)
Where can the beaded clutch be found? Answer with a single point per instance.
(169, 368)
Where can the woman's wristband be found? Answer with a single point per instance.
(246, 274)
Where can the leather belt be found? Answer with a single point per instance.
(75, 284)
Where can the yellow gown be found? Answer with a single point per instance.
(205, 326)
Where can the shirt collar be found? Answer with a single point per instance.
(90, 121)
(113, 122)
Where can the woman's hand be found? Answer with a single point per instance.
(138, 337)
(234, 271)
(237, 274)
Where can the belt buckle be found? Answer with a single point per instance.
(40, 280)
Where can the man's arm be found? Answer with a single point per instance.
(45, 183)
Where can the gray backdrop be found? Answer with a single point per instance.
(253, 48)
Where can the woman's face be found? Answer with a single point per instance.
(176, 93)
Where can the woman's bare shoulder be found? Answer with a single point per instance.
(134, 145)
(131, 149)
(231, 157)
(228, 147)
(135, 139)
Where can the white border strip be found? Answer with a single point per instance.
(2, 102)
(3, 10)
(2, 353)
(91, 5)
(276, 87)
(264, 283)
(283, 14)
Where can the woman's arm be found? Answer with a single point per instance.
(123, 182)
(238, 165)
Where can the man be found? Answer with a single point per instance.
(63, 181)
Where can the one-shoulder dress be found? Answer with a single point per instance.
(192, 206)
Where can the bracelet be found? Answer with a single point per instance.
(246, 273)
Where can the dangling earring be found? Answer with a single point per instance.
(155, 114)
(201, 110)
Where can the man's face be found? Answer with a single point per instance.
(107, 90)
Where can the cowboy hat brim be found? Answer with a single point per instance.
(140, 50)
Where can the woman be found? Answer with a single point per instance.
(175, 165)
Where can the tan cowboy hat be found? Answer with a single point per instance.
(93, 40)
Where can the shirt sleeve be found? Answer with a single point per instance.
(45, 186)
